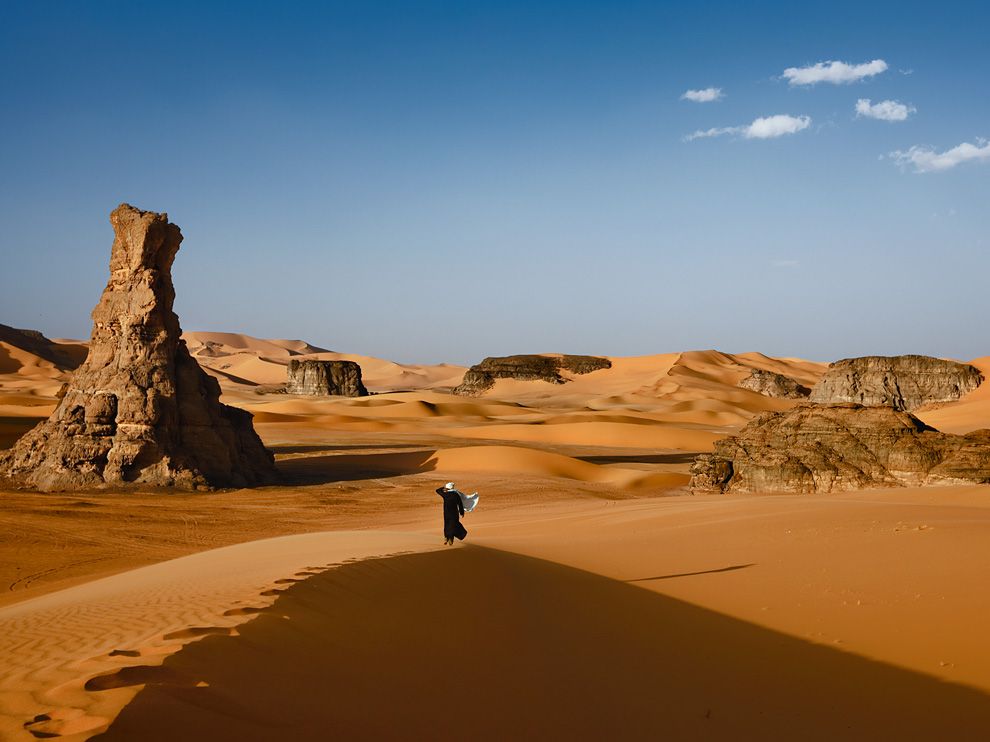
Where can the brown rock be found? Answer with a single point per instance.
(771, 384)
(323, 378)
(825, 448)
(901, 382)
(140, 410)
(481, 377)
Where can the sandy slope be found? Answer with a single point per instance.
(972, 412)
(775, 584)
(480, 644)
(55, 645)
(244, 360)
(772, 588)
(674, 401)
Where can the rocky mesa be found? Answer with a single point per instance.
(772, 384)
(481, 377)
(140, 410)
(902, 382)
(325, 378)
(825, 448)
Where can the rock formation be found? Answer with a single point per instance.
(481, 377)
(821, 448)
(140, 410)
(771, 384)
(342, 378)
(901, 382)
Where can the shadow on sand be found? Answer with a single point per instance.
(318, 448)
(12, 428)
(733, 568)
(472, 643)
(347, 468)
(659, 458)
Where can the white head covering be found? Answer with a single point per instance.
(449, 486)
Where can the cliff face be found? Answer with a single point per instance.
(324, 378)
(481, 377)
(771, 384)
(821, 448)
(901, 382)
(140, 410)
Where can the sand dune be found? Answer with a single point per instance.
(489, 645)
(255, 361)
(205, 343)
(972, 412)
(506, 461)
(55, 645)
(598, 434)
(583, 474)
(515, 460)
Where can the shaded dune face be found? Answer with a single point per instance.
(481, 644)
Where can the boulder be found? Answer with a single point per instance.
(825, 448)
(323, 378)
(901, 382)
(140, 411)
(771, 384)
(481, 377)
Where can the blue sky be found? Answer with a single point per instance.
(440, 181)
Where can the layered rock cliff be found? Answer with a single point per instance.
(140, 410)
(481, 377)
(324, 378)
(901, 382)
(771, 384)
(821, 448)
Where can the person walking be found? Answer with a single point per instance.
(453, 509)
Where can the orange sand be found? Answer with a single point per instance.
(606, 601)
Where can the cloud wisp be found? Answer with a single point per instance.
(836, 73)
(705, 95)
(765, 127)
(885, 110)
(927, 160)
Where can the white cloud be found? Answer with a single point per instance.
(927, 160)
(836, 73)
(765, 127)
(707, 95)
(885, 110)
(770, 127)
(715, 132)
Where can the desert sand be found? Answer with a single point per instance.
(593, 596)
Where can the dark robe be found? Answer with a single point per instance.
(453, 508)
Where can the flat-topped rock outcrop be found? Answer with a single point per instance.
(325, 378)
(481, 377)
(772, 384)
(140, 410)
(825, 448)
(902, 382)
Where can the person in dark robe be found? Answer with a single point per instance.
(453, 509)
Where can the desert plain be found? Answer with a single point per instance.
(596, 595)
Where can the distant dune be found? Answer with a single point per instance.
(666, 402)
(822, 616)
